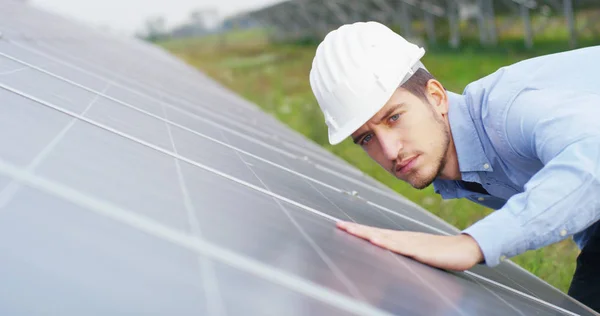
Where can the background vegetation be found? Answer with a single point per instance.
(275, 77)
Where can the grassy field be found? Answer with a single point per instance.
(275, 77)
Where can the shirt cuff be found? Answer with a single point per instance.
(499, 236)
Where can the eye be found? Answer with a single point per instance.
(366, 139)
(394, 117)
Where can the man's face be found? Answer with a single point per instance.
(408, 137)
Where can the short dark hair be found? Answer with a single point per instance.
(417, 83)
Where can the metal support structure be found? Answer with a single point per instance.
(385, 12)
(483, 34)
(490, 22)
(429, 24)
(527, 23)
(315, 18)
(406, 19)
(454, 40)
(357, 9)
(290, 22)
(334, 7)
(315, 26)
(568, 11)
(268, 22)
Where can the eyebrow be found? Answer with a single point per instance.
(387, 113)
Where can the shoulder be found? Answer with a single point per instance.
(489, 100)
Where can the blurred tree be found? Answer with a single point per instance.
(155, 28)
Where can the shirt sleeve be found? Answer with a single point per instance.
(560, 129)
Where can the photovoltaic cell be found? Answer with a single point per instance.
(130, 183)
(119, 117)
(26, 128)
(239, 295)
(8, 66)
(96, 267)
(47, 88)
(117, 170)
(3, 182)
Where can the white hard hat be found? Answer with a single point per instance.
(356, 69)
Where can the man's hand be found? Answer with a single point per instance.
(457, 253)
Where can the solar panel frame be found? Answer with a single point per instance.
(114, 162)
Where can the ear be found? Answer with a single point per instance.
(437, 96)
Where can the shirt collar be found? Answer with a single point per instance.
(469, 149)
(471, 156)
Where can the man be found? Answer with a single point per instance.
(524, 141)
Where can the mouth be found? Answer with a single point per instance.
(406, 165)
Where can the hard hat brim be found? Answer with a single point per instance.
(346, 131)
(350, 127)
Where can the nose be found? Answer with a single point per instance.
(390, 145)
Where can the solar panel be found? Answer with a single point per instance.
(130, 183)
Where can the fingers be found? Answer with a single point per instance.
(350, 225)
(391, 240)
(354, 227)
(358, 230)
(372, 234)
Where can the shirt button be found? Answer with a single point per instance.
(486, 166)
(481, 199)
(563, 232)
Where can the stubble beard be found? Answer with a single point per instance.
(422, 181)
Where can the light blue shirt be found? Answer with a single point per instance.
(530, 135)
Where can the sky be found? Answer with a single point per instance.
(128, 16)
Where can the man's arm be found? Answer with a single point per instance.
(561, 130)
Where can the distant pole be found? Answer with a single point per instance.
(454, 24)
(483, 35)
(406, 21)
(429, 23)
(568, 8)
(491, 22)
(527, 21)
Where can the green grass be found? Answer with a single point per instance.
(275, 77)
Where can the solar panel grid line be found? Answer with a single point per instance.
(80, 43)
(70, 56)
(434, 229)
(113, 50)
(191, 106)
(525, 295)
(168, 104)
(383, 192)
(152, 146)
(176, 108)
(525, 292)
(430, 286)
(7, 66)
(12, 71)
(332, 266)
(351, 287)
(521, 269)
(439, 231)
(211, 284)
(96, 67)
(309, 182)
(300, 151)
(9, 191)
(531, 294)
(322, 159)
(398, 224)
(500, 298)
(266, 135)
(147, 113)
(200, 246)
(200, 165)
